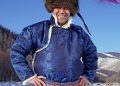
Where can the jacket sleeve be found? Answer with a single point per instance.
(89, 58)
(19, 50)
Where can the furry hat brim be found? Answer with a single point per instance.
(72, 5)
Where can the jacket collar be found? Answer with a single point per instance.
(53, 21)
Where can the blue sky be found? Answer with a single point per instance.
(102, 19)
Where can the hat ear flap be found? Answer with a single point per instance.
(75, 7)
(48, 5)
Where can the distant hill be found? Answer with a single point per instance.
(115, 54)
(109, 67)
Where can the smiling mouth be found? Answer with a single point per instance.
(61, 15)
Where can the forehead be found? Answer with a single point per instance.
(61, 8)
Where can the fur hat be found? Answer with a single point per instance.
(72, 5)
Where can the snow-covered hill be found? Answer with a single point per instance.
(109, 67)
(109, 61)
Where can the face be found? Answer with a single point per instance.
(62, 15)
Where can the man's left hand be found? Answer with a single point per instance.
(83, 81)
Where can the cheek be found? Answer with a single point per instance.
(68, 12)
(55, 11)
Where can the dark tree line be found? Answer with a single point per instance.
(7, 38)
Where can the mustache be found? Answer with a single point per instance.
(111, 1)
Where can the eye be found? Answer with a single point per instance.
(57, 7)
(67, 8)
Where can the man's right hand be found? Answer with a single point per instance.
(38, 81)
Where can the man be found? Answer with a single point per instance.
(63, 53)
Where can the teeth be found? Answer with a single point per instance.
(61, 15)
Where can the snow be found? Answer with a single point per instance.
(109, 55)
(108, 63)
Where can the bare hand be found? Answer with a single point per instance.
(84, 81)
(38, 81)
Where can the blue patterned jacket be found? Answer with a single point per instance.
(59, 54)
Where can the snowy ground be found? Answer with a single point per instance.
(13, 84)
(19, 84)
(106, 84)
